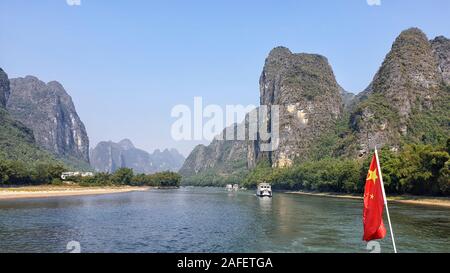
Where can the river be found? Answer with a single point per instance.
(210, 220)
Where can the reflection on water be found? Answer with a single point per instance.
(210, 220)
(265, 205)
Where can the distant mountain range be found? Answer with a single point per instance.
(109, 156)
(39, 123)
(408, 101)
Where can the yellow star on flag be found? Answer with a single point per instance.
(372, 176)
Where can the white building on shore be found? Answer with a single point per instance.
(65, 175)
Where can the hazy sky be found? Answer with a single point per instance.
(127, 63)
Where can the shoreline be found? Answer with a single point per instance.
(47, 191)
(403, 199)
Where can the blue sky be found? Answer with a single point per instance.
(127, 63)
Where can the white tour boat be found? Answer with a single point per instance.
(264, 190)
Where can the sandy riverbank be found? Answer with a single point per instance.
(405, 199)
(66, 190)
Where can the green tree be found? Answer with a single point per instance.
(122, 176)
(444, 179)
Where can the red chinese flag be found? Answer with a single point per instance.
(373, 205)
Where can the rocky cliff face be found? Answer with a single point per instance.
(49, 111)
(409, 73)
(410, 80)
(309, 100)
(347, 98)
(225, 158)
(16, 140)
(304, 88)
(4, 88)
(441, 50)
(110, 156)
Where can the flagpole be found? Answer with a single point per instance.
(385, 200)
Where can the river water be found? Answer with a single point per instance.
(210, 220)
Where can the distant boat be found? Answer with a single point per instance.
(236, 187)
(264, 190)
(229, 187)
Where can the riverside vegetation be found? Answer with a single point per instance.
(417, 169)
(126, 177)
(19, 173)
